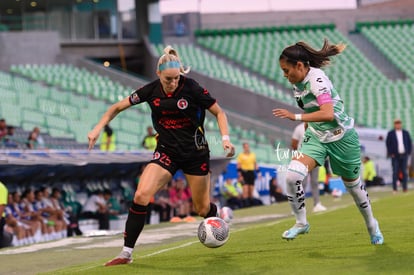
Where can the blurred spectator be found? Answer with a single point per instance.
(161, 204)
(323, 180)
(71, 210)
(179, 28)
(108, 139)
(97, 208)
(275, 191)
(9, 140)
(150, 140)
(29, 212)
(5, 236)
(21, 231)
(104, 26)
(3, 128)
(70, 217)
(399, 146)
(33, 226)
(369, 172)
(180, 199)
(114, 207)
(247, 166)
(52, 212)
(232, 192)
(35, 139)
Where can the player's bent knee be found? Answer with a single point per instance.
(296, 171)
(141, 198)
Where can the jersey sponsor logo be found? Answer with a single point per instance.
(199, 139)
(169, 112)
(182, 104)
(319, 80)
(179, 123)
(135, 98)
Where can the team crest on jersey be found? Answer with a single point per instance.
(135, 98)
(182, 104)
(156, 155)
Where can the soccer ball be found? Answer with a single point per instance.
(226, 213)
(213, 232)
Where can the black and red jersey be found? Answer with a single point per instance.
(178, 118)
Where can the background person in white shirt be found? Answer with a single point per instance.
(96, 208)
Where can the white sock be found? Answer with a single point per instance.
(15, 241)
(128, 249)
(31, 240)
(296, 172)
(360, 195)
(37, 236)
(24, 241)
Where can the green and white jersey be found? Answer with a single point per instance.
(315, 90)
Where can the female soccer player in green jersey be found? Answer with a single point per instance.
(330, 132)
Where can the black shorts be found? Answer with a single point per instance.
(248, 176)
(198, 165)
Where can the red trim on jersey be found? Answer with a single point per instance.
(136, 212)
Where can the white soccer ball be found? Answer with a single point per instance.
(226, 213)
(213, 232)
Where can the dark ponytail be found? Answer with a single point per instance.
(302, 52)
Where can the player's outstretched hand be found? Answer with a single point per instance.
(229, 148)
(92, 138)
(283, 113)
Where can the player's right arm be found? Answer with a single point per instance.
(110, 114)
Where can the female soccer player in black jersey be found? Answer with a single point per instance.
(178, 105)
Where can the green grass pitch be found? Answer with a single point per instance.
(337, 243)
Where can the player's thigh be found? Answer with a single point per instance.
(311, 148)
(345, 156)
(200, 189)
(152, 179)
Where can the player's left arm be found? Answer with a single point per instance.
(110, 114)
(221, 117)
(321, 89)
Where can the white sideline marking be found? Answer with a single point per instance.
(82, 269)
(247, 219)
(39, 246)
(168, 249)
